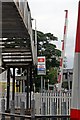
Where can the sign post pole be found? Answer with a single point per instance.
(41, 69)
(41, 84)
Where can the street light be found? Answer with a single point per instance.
(35, 48)
(35, 40)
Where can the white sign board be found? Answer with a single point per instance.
(41, 67)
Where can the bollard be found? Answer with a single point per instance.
(12, 110)
(33, 109)
(43, 111)
(22, 110)
(64, 110)
(54, 110)
(3, 108)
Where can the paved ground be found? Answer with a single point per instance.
(16, 118)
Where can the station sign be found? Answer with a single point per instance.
(41, 66)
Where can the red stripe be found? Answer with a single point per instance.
(64, 29)
(77, 47)
(61, 60)
(63, 45)
(59, 78)
(75, 114)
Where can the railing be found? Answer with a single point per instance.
(47, 103)
(5, 116)
(43, 105)
(53, 103)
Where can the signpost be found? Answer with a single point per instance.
(41, 69)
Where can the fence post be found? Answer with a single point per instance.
(22, 110)
(17, 99)
(3, 108)
(43, 108)
(12, 110)
(43, 112)
(64, 110)
(54, 110)
(33, 109)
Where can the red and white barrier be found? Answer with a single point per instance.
(75, 103)
(63, 49)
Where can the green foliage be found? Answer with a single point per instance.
(48, 49)
(52, 75)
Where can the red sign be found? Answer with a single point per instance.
(41, 59)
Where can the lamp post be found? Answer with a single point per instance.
(35, 41)
(35, 48)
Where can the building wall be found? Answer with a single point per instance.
(67, 74)
(67, 78)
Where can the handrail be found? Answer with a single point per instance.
(36, 116)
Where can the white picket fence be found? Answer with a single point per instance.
(47, 103)
(55, 103)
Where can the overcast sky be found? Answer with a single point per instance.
(50, 17)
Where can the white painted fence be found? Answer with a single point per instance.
(47, 103)
(57, 101)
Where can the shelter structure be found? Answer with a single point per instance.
(16, 43)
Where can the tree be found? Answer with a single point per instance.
(48, 49)
(52, 75)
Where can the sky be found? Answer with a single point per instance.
(50, 17)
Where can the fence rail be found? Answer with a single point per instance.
(37, 117)
(47, 104)
(54, 103)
